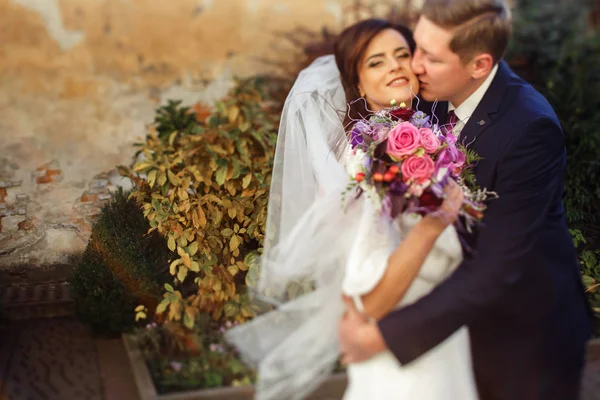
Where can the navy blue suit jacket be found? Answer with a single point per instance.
(520, 292)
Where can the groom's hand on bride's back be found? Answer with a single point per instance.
(360, 338)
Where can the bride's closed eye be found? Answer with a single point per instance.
(374, 64)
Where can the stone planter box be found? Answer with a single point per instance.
(332, 389)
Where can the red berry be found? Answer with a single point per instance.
(388, 177)
(377, 177)
(359, 177)
(394, 169)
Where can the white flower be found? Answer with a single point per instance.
(355, 162)
(373, 196)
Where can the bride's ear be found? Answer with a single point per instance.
(360, 91)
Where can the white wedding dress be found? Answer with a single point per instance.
(444, 372)
(318, 247)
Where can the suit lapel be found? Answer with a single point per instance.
(475, 126)
(489, 105)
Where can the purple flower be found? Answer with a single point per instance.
(379, 131)
(452, 158)
(363, 126)
(367, 162)
(216, 348)
(397, 187)
(151, 326)
(175, 365)
(420, 120)
(444, 158)
(356, 139)
(356, 136)
(362, 129)
(445, 134)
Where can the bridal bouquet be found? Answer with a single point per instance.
(404, 161)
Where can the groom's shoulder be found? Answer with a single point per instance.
(524, 100)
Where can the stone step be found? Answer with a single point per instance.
(41, 300)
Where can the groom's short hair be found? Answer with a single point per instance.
(480, 26)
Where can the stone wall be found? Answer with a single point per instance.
(80, 80)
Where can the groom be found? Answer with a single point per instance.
(520, 292)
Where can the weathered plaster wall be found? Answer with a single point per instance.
(144, 42)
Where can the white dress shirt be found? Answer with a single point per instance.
(466, 109)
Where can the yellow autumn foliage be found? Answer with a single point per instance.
(205, 190)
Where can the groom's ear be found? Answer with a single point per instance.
(481, 65)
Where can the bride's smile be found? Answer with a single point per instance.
(399, 82)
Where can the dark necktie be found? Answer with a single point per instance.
(450, 122)
(451, 119)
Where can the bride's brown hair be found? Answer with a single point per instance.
(349, 48)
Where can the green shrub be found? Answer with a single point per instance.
(173, 117)
(122, 266)
(205, 191)
(556, 49)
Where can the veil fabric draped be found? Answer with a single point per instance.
(294, 347)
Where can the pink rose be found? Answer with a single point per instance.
(419, 169)
(403, 140)
(429, 141)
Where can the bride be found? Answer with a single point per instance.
(319, 248)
